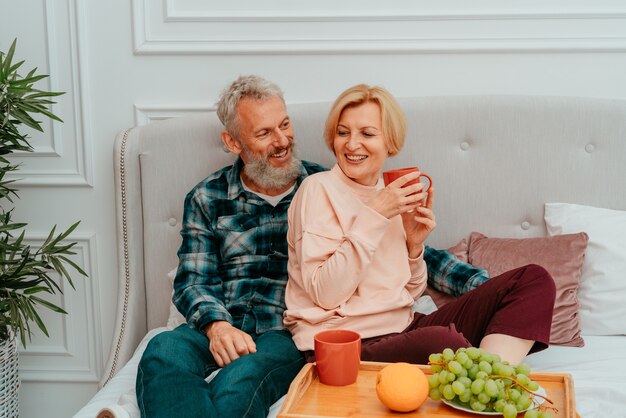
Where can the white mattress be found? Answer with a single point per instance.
(598, 369)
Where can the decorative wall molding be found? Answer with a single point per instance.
(73, 353)
(145, 114)
(67, 159)
(242, 27)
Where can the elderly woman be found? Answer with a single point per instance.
(356, 254)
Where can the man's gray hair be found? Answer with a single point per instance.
(246, 86)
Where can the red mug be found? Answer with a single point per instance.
(337, 356)
(391, 175)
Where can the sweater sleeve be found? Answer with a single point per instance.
(331, 260)
(419, 276)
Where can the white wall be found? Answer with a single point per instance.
(127, 62)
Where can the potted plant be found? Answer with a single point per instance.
(26, 273)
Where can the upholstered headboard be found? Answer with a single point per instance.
(494, 160)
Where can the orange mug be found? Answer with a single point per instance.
(337, 356)
(391, 175)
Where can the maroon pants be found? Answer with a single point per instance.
(517, 303)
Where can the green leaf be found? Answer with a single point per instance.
(25, 118)
(73, 264)
(9, 57)
(48, 305)
(36, 289)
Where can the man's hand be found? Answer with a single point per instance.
(228, 343)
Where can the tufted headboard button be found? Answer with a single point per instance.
(172, 222)
(590, 148)
(465, 145)
(525, 225)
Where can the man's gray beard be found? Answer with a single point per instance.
(261, 172)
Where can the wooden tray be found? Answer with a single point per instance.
(308, 398)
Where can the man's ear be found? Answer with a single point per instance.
(232, 144)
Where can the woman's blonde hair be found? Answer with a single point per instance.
(393, 121)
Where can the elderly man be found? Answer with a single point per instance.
(232, 273)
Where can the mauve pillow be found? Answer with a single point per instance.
(562, 256)
(460, 250)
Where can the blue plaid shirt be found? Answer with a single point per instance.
(233, 257)
(449, 275)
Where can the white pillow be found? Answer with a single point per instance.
(176, 318)
(602, 287)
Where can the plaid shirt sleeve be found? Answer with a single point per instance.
(449, 275)
(198, 291)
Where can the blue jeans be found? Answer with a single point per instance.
(171, 373)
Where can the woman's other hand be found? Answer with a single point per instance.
(395, 199)
(418, 225)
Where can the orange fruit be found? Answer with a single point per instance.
(401, 387)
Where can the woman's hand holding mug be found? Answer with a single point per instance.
(418, 219)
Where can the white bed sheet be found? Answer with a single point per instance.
(598, 370)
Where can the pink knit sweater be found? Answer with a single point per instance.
(348, 265)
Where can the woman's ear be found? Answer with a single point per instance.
(231, 143)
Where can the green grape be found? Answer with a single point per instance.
(466, 381)
(477, 406)
(435, 368)
(485, 367)
(434, 394)
(521, 405)
(448, 354)
(532, 385)
(481, 375)
(443, 376)
(448, 392)
(451, 377)
(524, 402)
(433, 380)
(507, 370)
(485, 356)
(514, 394)
(509, 411)
(522, 368)
(458, 387)
(522, 379)
(483, 398)
(496, 358)
(545, 414)
(498, 405)
(462, 357)
(455, 367)
(468, 364)
(491, 388)
(473, 353)
(497, 367)
(471, 372)
(477, 386)
(466, 396)
(435, 358)
(531, 413)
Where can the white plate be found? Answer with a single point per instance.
(537, 401)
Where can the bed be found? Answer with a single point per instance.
(511, 167)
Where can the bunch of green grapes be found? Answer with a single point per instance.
(481, 381)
